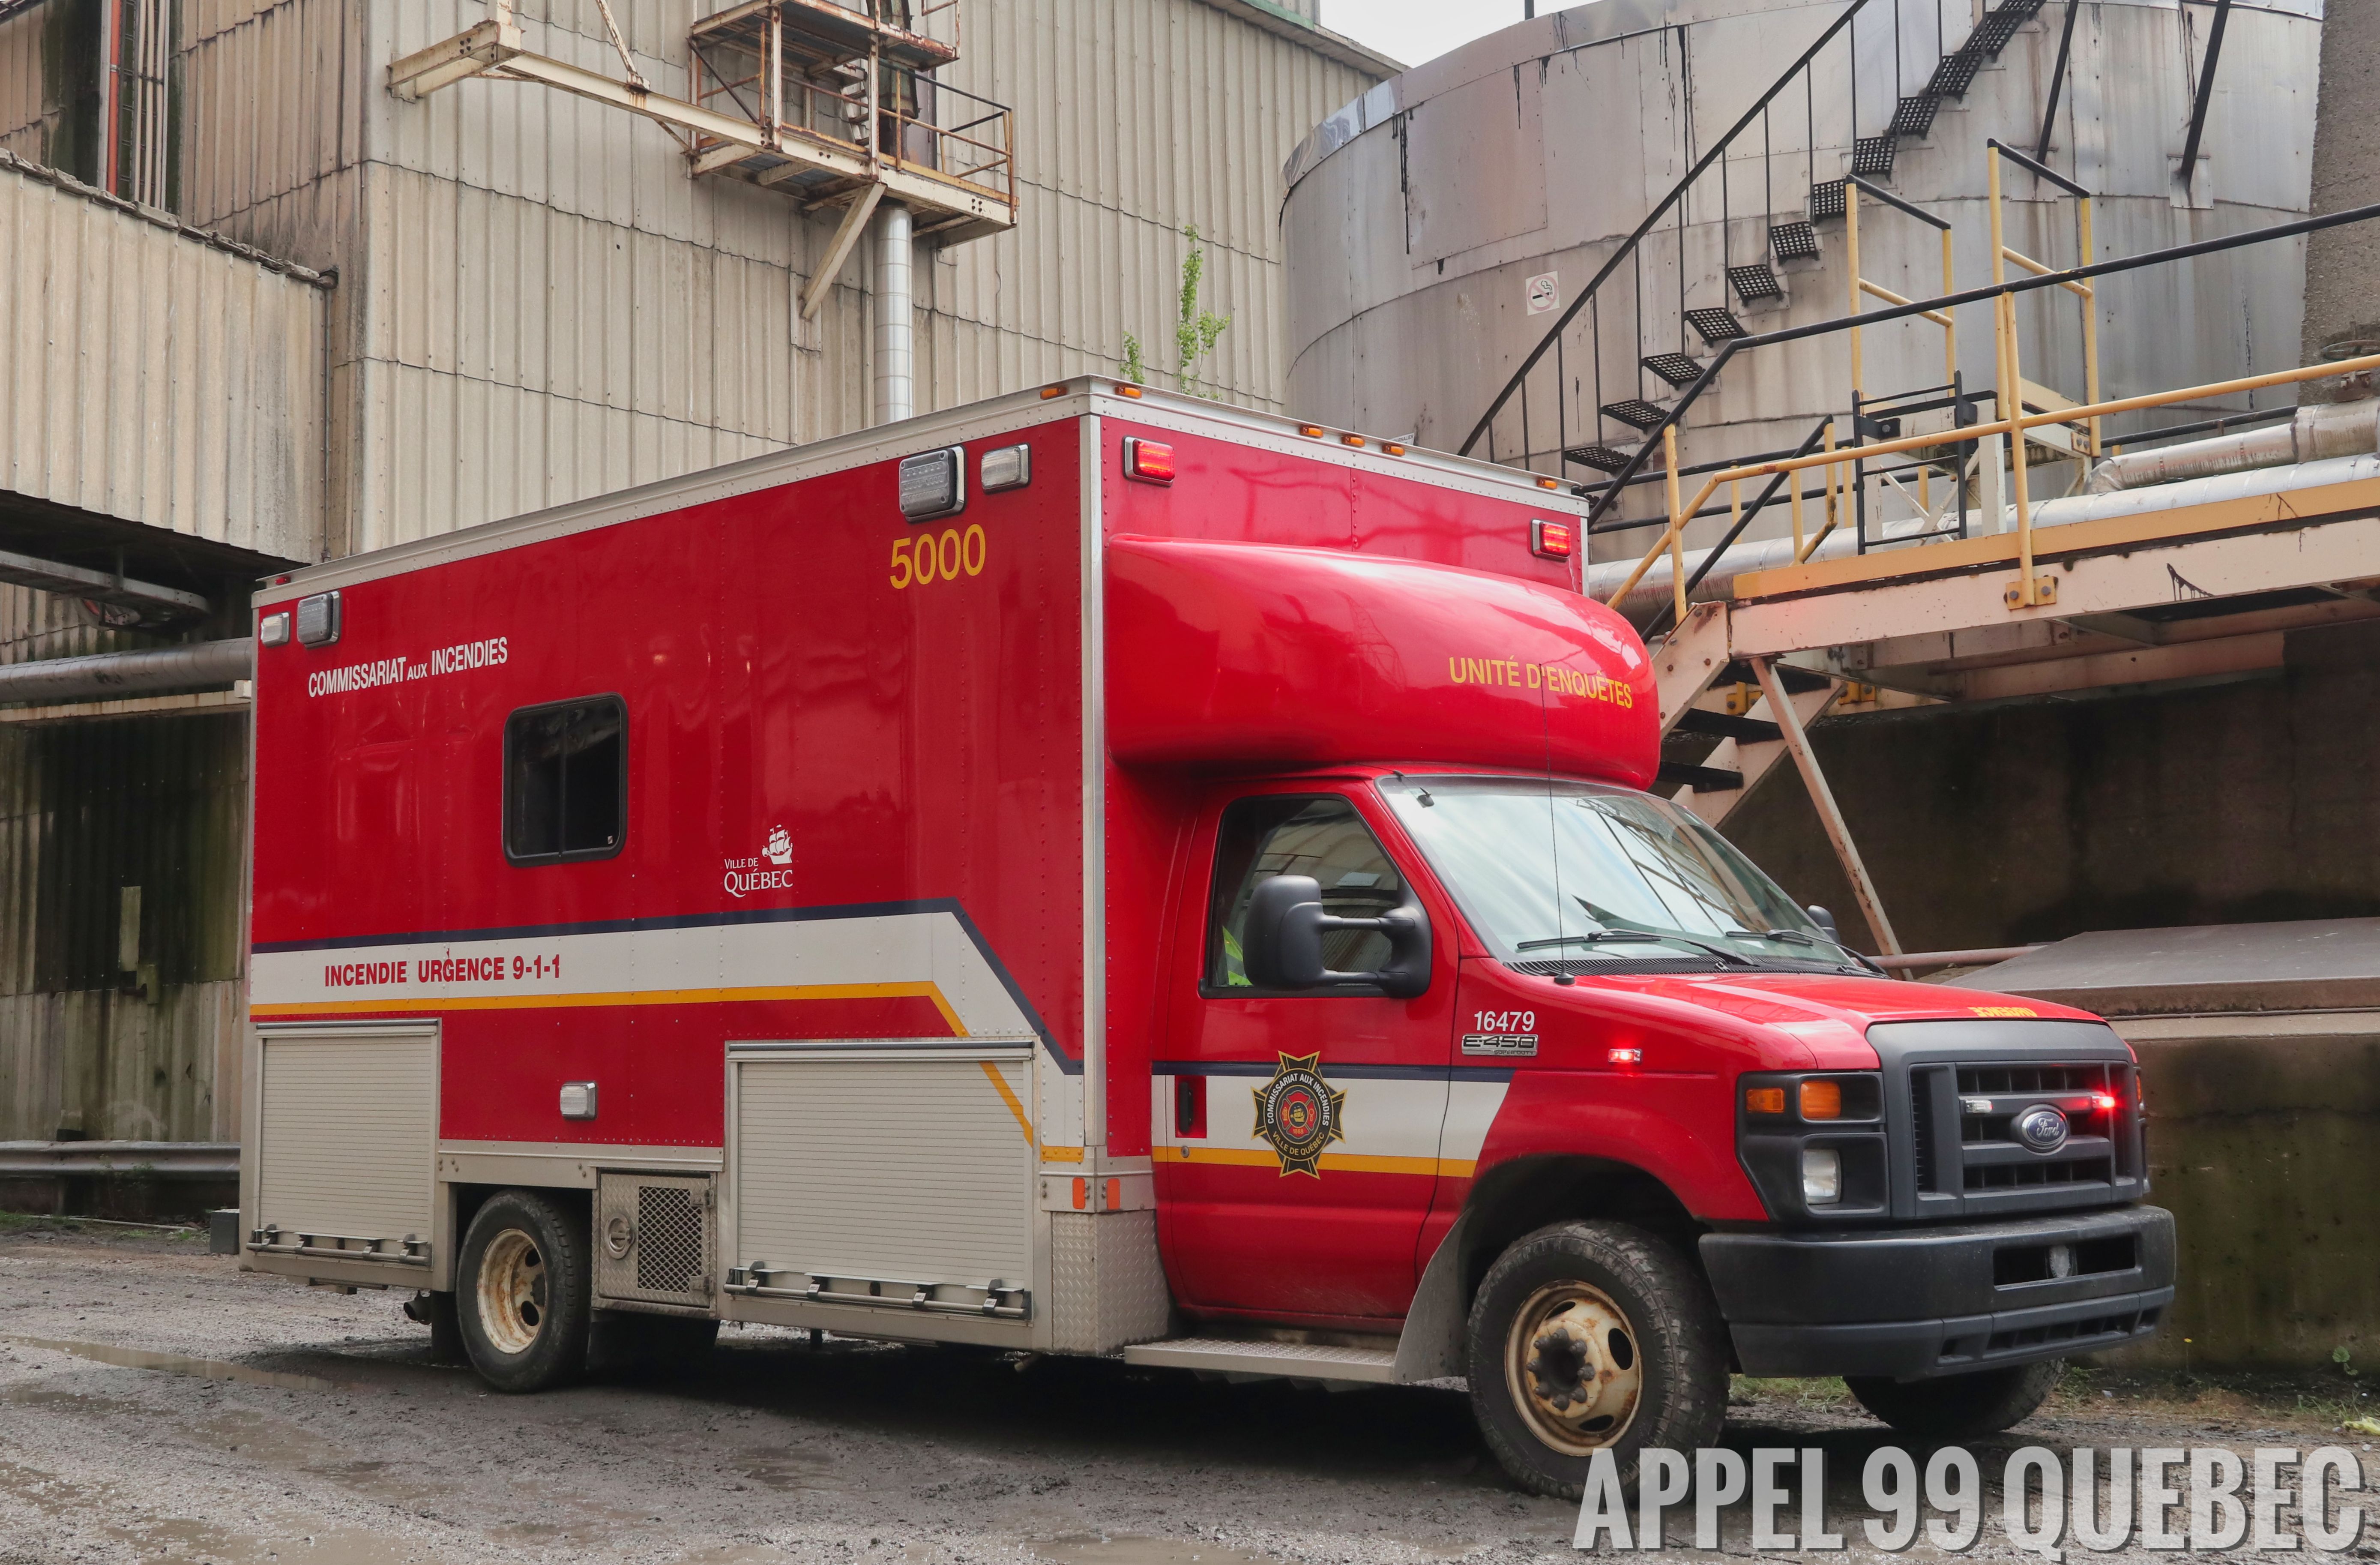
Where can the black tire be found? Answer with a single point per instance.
(1959, 1407)
(521, 1291)
(1598, 1294)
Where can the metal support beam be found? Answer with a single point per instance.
(2056, 80)
(82, 581)
(1797, 742)
(847, 237)
(2205, 92)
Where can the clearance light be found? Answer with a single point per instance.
(1822, 1100)
(1764, 1099)
(1312, 432)
(2104, 1102)
(1550, 483)
(1392, 448)
(318, 619)
(1150, 461)
(1355, 441)
(1626, 1057)
(1048, 391)
(1553, 541)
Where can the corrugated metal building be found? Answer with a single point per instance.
(495, 297)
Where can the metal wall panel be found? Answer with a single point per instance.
(153, 378)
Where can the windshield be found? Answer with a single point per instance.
(1572, 872)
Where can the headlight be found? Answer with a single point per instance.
(1814, 1143)
(1822, 1175)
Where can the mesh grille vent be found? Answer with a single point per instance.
(669, 1239)
(654, 1240)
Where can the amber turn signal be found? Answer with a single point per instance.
(1764, 1099)
(1822, 1100)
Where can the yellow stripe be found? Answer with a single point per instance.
(1342, 1162)
(1008, 1095)
(1062, 1154)
(626, 996)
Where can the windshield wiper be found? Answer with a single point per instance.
(1799, 937)
(1639, 937)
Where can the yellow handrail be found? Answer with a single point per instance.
(1834, 456)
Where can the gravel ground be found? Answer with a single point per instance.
(155, 1404)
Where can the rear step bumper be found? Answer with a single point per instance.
(1917, 1303)
(1295, 1361)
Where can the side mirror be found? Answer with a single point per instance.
(1824, 920)
(1281, 945)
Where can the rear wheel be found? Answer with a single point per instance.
(1590, 1335)
(1959, 1407)
(522, 1293)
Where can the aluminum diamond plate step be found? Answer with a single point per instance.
(1296, 1361)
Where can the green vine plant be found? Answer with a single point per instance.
(1195, 330)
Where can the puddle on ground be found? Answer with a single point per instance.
(1097, 1549)
(786, 1470)
(195, 1541)
(176, 1364)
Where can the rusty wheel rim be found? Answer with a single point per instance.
(1572, 1367)
(512, 1292)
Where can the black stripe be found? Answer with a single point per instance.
(1070, 1064)
(1499, 1073)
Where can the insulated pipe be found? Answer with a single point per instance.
(109, 674)
(2339, 428)
(895, 387)
(1651, 594)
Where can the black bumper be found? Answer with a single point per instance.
(1918, 1302)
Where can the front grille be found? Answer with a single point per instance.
(1990, 1080)
(2104, 1326)
(2025, 1176)
(1964, 1154)
(1929, 1159)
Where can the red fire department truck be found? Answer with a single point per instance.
(1097, 872)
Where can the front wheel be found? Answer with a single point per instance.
(522, 1292)
(1959, 1407)
(1592, 1336)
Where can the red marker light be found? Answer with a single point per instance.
(1150, 461)
(2103, 1101)
(1551, 540)
(1626, 1057)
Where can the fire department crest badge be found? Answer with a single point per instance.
(1299, 1113)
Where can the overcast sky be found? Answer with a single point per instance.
(1414, 31)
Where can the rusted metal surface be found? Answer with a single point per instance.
(90, 1044)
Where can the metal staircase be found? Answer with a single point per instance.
(1617, 433)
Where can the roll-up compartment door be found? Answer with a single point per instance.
(345, 1129)
(884, 1176)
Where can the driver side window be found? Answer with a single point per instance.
(1299, 834)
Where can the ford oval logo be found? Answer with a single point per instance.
(2042, 1129)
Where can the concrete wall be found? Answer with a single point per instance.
(2233, 803)
(2264, 1143)
(2343, 264)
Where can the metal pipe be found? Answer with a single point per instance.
(2339, 428)
(895, 325)
(108, 674)
(150, 1160)
(1976, 958)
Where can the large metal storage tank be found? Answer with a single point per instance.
(1435, 227)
